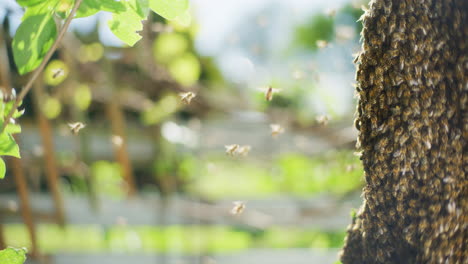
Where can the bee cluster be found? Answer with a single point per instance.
(412, 85)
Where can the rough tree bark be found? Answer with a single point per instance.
(412, 83)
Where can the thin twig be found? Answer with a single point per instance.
(41, 67)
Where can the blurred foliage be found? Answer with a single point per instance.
(160, 110)
(178, 239)
(184, 167)
(320, 27)
(91, 52)
(51, 107)
(82, 96)
(13, 256)
(226, 178)
(338, 173)
(293, 174)
(108, 178)
(174, 51)
(169, 46)
(298, 238)
(185, 69)
(355, 12)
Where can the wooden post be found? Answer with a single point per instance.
(25, 208)
(2, 238)
(117, 119)
(51, 169)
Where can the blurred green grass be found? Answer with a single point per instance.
(170, 239)
(222, 177)
(336, 172)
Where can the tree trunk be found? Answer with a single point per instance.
(412, 83)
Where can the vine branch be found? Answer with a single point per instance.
(41, 67)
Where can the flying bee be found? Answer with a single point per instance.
(57, 73)
(76, 127)
(238, 207)
(331, 12)
(276, 130)
(117, 140)
(231, 150)
(243, 150)
(322, 120)
(187, 97)
(269, 92)
(356, 57)
(351, 167)
(321, 44)
(357, 153)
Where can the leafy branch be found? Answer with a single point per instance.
(36, 40)
(41, 67)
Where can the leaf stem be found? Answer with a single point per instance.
(41, 67)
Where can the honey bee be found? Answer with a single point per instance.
(269, 91)
(243, 150)
(117, 140)
(238, 208)
(356, 57)
(57, 72)
(331, 12)
(187, 97)
(439, 45)
(321, 44)
(76, 127)
(351, 167)
(231, 150)
(276, 130)
(322, 120)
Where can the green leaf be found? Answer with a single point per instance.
(185, 19)
(125, 25)
(169, 9)
(2, 170)
(29, 3)
(13, 256)
(18, 113)
(13, 128)
(43, 7)
(9, 105)
(8, 146)
(32, 40)
(91, 7)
